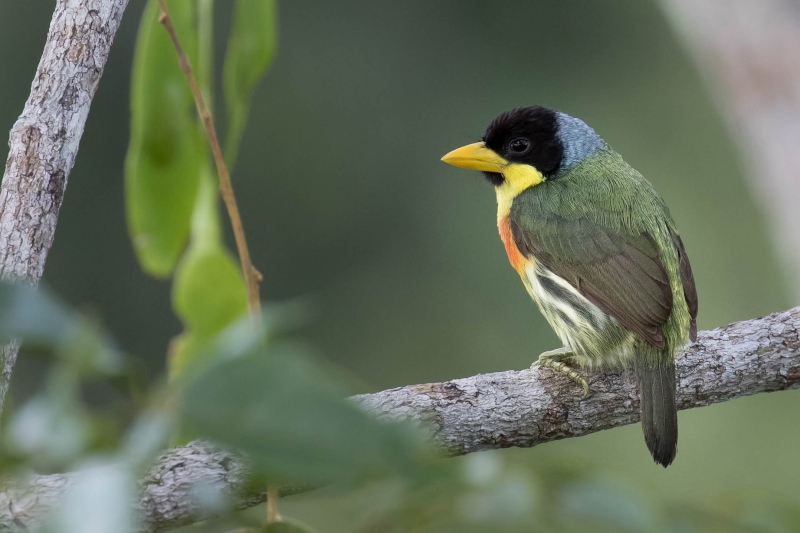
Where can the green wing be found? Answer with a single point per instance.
(687, 280)
(618, 271)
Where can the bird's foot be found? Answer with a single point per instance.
(559, 360)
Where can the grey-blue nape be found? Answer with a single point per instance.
(579, 140)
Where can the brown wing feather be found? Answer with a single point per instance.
(620, 274)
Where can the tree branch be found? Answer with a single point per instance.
(500, 410)
(44, 140)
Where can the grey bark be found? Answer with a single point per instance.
(500, 410)
(44, 140)
(530, 407)
(749, 54)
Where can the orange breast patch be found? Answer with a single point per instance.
(516, 259)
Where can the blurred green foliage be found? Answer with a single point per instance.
(165, 208)
(167, 146)
(250, 51)
(283, 410)
(209, 292)
(346, 204)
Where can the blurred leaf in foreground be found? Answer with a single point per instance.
(51, 430)
(495, 495)
(33, 314)
(604, 506)
(99, 501)
(38, 317)
(251, 48)
(287, 525)
(286, 414)
(167, 146)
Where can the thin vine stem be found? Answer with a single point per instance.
(273, 514)
(252, 277)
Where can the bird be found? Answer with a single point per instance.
(597, 250)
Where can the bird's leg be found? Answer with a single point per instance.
(559, 360)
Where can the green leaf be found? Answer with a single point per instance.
(602, 503)
(37, 316)
(51, 429)
(204, 68)
(283, 411)
(146, 436)
(251, 48)
(99, 500)
(209, 292)
(167, 149)
(33, 314)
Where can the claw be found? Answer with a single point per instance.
(558, 366)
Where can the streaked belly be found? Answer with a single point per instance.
(597, 339)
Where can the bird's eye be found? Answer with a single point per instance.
(519, 146)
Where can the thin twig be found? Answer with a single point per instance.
(252, 277)
(273, 515)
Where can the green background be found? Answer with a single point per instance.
(348, 208)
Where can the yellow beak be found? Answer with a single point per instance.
(476, 156)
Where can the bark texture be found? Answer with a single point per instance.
(44, 140)
(749, 55)
(530, 407)
(500, 410)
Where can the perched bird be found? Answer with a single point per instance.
(598, 251)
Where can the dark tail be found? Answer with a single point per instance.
(658, 409)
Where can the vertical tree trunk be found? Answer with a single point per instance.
(44, 140)
(749, 54)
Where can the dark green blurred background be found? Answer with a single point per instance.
(347, 205)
